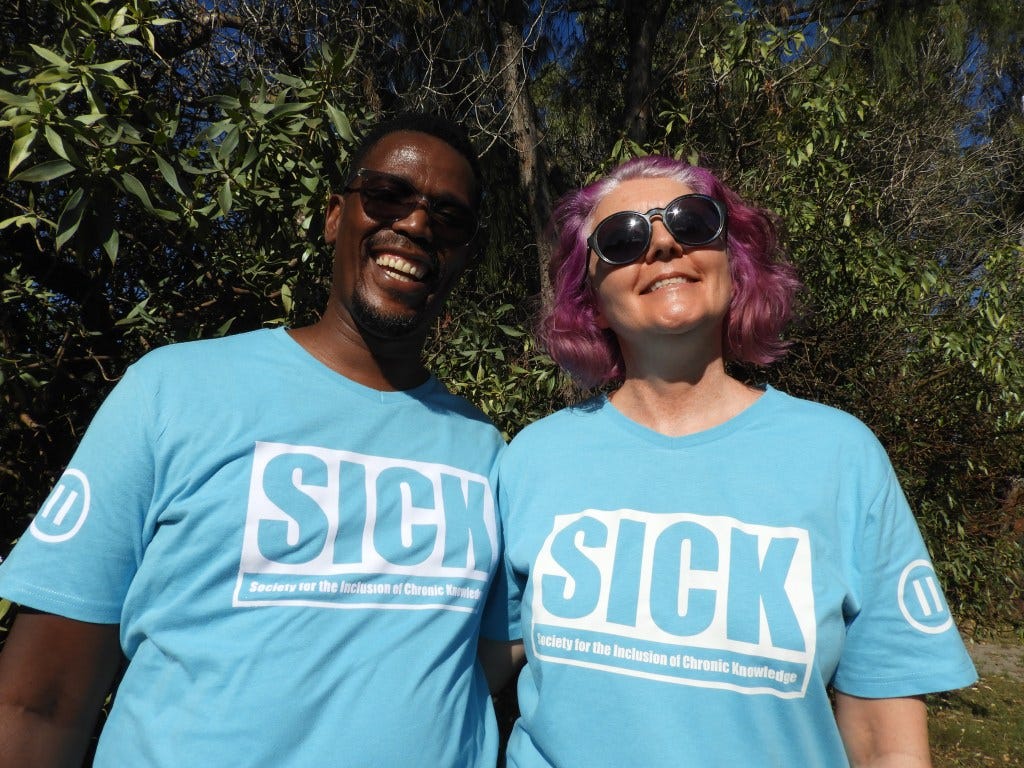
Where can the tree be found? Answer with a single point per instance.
(168, 160)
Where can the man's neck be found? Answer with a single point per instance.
(382, 364)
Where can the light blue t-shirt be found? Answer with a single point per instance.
(688, 601)
(298, 563)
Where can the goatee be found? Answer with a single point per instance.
(388, 326)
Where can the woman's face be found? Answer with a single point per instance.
(672, 288)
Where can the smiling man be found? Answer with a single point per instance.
(287, 535)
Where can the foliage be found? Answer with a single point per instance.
(909, 244)
(167, 164)
(141, 211)
(480, 349)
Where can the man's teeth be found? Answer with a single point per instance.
(669, 281)
(401, 266)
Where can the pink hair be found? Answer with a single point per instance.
(764, 283)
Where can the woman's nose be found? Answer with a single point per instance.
(663, 244)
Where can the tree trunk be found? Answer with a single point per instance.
(643, 22)
(527, 141)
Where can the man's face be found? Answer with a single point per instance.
(391, 277)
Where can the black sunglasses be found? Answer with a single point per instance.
(623, 237)
(387, 198)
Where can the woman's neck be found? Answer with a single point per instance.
(678, 406)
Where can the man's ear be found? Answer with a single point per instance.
(335, 207)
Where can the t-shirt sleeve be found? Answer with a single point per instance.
(78, 556)
(502, 612)
(901, 639)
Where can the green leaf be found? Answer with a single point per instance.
(17, 100)
(286, 297)
(294, 82)
(111, 244)
(225, 198)
(50, 76)
(166, 215)
(71, 217)
(223, 329)
(133, 186)
(20, 220)
(228, 144)
(283, 110)
(60, 147)
(111, 66)
(50, 56)
(20, 150)
(119, 85)
(170, 175)
(340, 122)
(48, 171)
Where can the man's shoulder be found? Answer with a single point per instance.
(460, 409)
(207, 367)
(198, 350)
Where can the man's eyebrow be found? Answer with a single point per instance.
(448, 197)
(441, 197)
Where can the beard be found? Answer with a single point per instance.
(384, 325)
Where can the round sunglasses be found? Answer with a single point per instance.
(623, 237)
(388, 198)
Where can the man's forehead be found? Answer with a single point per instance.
(414, 155)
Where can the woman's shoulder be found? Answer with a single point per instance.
(805, 409)
(566, 421)
(815, 421)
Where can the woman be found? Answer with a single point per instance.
(698, 562)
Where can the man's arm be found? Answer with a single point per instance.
(54, 674)
(884, 733)
(500, 660)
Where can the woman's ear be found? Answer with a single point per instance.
(599, 318)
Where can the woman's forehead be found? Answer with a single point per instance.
(640, 195)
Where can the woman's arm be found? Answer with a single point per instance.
(54, 675)
(884, 733)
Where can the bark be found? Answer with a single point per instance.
(527, 141)
(643, 22)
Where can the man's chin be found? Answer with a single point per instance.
(374, 322)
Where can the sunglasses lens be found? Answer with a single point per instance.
(388, 198)
(693, 220)
(622, 237)
(452, 224)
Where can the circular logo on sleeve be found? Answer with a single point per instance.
(921, 600)
(65, 510)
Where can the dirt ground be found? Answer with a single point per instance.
(997, 658)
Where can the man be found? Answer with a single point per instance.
(289, 534)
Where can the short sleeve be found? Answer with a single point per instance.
(901, 639)
(78, 556)
(502, 612)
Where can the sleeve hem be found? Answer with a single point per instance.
(49, 601)
(911, 686)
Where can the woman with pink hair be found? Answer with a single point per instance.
(699, 568)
